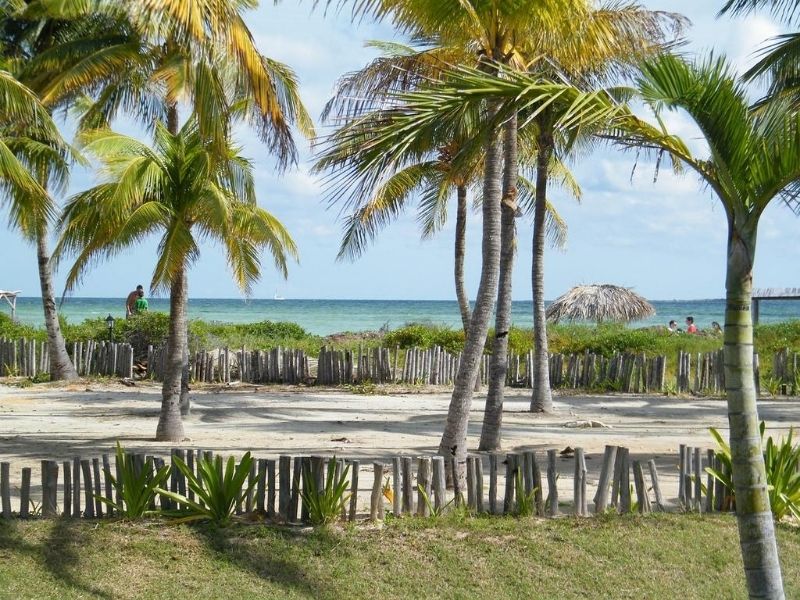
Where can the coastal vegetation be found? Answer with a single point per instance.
(605, 339)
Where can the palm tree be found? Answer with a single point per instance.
(30, 149)
(488, 32)
(151, 55)
(20, 40)
(781, 58)
(754, 158)
(186, 188)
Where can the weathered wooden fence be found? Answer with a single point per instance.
(28, 358)
(23, 357)
(622, 371)
(494, 483)
(223, 365)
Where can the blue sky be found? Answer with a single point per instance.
(666, 239)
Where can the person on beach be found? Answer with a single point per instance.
(690, 326)
(672, 327)
(141, 304)
(130, 303)
(716, 329)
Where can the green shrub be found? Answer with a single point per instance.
(781, 461)
(425, 336)
(325, 505)
(136, 487)
(218, 491)
(13, 330)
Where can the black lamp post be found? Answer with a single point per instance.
(110, 323)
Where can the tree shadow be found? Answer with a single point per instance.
(58, 553)
(265, 551)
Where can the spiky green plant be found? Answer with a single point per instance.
(136, 487)
(781, 460)
(218, 490)
(325, 505)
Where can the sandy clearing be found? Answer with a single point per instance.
(59, 423)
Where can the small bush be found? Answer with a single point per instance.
(13, 330)
(425, 336)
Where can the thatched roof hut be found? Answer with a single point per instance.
(600, 302)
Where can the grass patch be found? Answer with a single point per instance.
(658, 556)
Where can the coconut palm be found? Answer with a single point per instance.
(20, 40)
(29, 146)
(148, 56)
(376, 194)
(754, 158)
(142, 194)
(781, 57)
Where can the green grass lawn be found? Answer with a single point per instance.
(666, 556)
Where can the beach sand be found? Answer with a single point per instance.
(86, 419)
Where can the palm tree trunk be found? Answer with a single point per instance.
(170, 424)
(185, 403)
(498, 365)
(61, 367)
(756, 528)
(454, 438)
(541, 395)
(461, 244)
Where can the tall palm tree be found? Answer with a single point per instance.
(184, 188)
(602, 47)
(488, 32)
(754, 158)
(154, 54)
(20, 41)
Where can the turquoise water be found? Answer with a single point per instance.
(324, 317)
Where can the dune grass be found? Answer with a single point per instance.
(669, 556)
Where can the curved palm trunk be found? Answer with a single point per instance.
(170, 424)
(461, 244)
(454, 438)
(61, 367)
(753, 514)
(498, 365)
(541, 395)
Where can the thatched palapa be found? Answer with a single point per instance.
(600, 302)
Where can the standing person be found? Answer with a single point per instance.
(130, 303)
(690, 326)
(141, 304)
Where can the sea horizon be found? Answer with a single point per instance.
(329, 316)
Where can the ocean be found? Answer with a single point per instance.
(323, 317)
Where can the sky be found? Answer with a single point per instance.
(666, 239)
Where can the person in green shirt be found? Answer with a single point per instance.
(140, 305)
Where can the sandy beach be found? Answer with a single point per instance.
(88, 418)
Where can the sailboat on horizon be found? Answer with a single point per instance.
(277, 297)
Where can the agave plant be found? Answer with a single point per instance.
(136, 486)
(218, 490)
(781, 459)
(326, 504)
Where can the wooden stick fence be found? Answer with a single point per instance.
(29, 358)
(624, 372)
(405, 485)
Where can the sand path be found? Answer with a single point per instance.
(87, 419)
